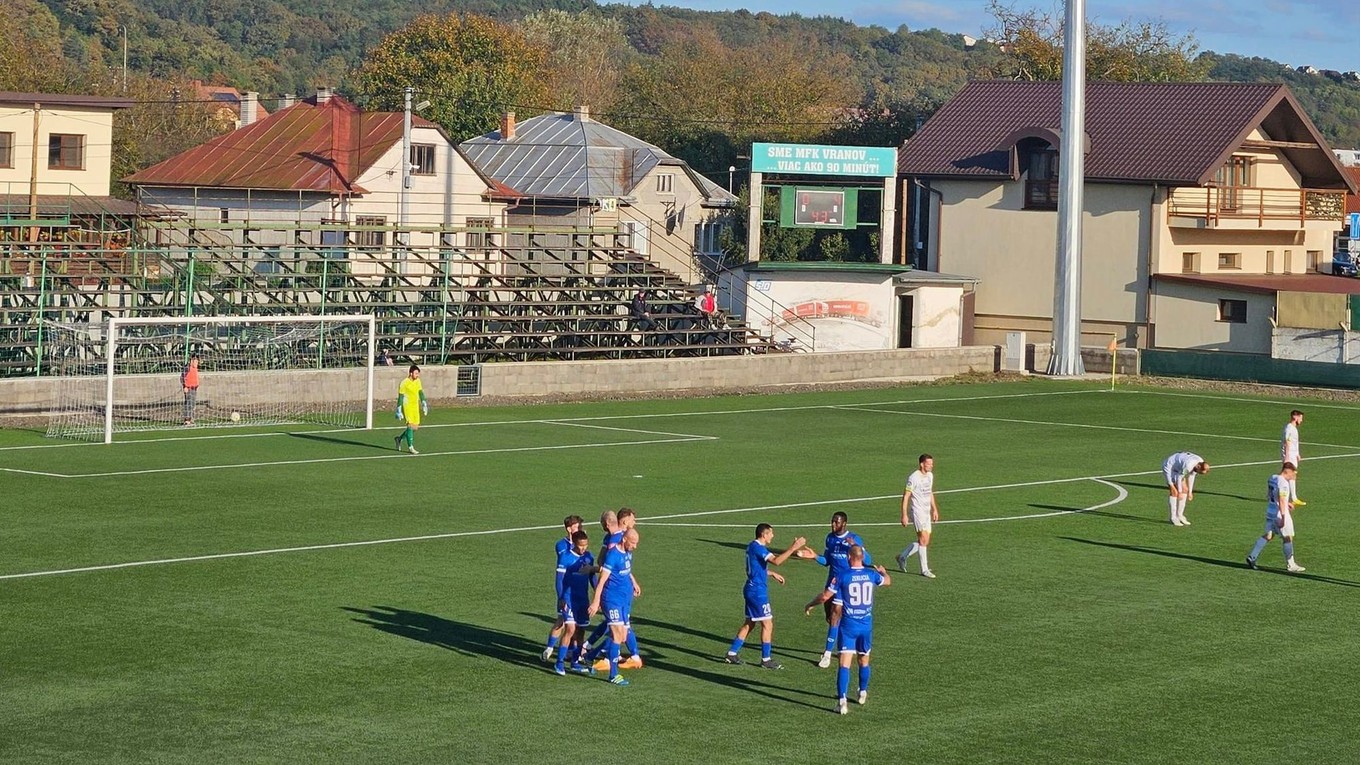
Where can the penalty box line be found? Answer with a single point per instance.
(556, 526)
(673, 438)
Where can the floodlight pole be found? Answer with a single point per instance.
(405, 161)
(1066, 358)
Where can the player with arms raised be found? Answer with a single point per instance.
(411, 405)
(853, 595)
(757, 592)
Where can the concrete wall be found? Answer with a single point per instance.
(1187, 317)
(30, 398)
(939, 319)
(1333, 346)
(1095, 360)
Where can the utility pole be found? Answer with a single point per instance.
(124, 28)
(33, 178)
(1066, 359)
(405, 162)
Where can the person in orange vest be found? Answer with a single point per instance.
(188, 380)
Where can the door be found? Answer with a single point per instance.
(906, 317)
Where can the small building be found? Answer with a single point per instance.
(831, 306)
(573, 171)
(231, 108)
(1190, 188)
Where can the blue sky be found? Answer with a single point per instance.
(1322, 33)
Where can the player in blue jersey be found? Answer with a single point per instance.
(757, 592)
(615, 524)
(837, 559)
(614, 592)
(571, 524)
(574, 568)
(853, 596)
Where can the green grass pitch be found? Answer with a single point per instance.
(134, 630)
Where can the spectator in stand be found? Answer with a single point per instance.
(708, 306)
(386, 359)
(642, 317)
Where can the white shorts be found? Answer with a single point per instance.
(1281, 523)
(1166, 473)
(920, 519)
(1294, 458)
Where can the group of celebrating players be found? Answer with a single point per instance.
(848, 596)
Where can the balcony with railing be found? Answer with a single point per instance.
(1242, 207)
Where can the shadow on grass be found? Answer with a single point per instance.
(1213, 561)
(346, 441)
(729, 545)
(1101, 513)
(1162, 487)
(467, 639)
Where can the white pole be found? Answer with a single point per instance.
(108, 383)
(372, 353)
(1066, 359)
(405, 160)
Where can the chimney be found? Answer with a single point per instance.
(286, 100)
(507, 126)
(250, 108)
(323, 96)
(582, 112)
(343, 140)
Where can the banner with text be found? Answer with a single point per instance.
(806, 159)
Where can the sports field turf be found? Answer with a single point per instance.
(133, 631)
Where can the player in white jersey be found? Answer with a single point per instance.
(1289, 451)
(919, 509)
(1180, 470)
(1279, 518)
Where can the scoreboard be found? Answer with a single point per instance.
(819, 207)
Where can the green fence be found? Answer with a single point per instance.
(1246, 367)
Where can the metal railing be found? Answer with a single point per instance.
(786, 328)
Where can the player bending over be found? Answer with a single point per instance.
(1180, 470)
(919, 509)
(575, 566)
(571, 524)
(837, 560)
(757, 592)
(411, 405)
(1279, 519)
(853, 595)
(615, 593)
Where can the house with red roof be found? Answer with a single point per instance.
(1204, 203)
(331, 167)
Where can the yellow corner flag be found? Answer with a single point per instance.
(1114, 357)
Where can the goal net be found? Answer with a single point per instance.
(129, 374)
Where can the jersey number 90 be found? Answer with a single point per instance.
(860, 593)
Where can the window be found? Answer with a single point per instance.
(1189, 262)
(479, 236)
(1231, 179)
(1232, 311)
(6, 150)
(1230, 261)
(422, 159)
(1041, 175)
(665, 183)
(706, 237)
(65, 151)
(370, 240)
(224, 215)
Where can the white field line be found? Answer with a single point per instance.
(649, 520)
(394, 455)
(1300, 403)
(632, 430)
(1122, 495)
(1087, 426)
(559, 420)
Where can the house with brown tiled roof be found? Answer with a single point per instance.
(1203, 202)
(231, 108)
(325, 161)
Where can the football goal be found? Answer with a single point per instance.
(145, 374)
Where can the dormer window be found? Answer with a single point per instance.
(1039, 164)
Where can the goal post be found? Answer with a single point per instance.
(125, 374)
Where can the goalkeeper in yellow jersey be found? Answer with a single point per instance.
(411, 404)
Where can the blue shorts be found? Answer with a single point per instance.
(617, 614)
(576, 612)
(757, 605)
(856, 638)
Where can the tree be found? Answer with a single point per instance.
(586, 56)
(471, 68)
(31, 58)
(1130, 51)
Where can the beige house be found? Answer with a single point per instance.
(574, 171)
(74, 153)
(1191, 190)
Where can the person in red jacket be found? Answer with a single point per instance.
(188, 380)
